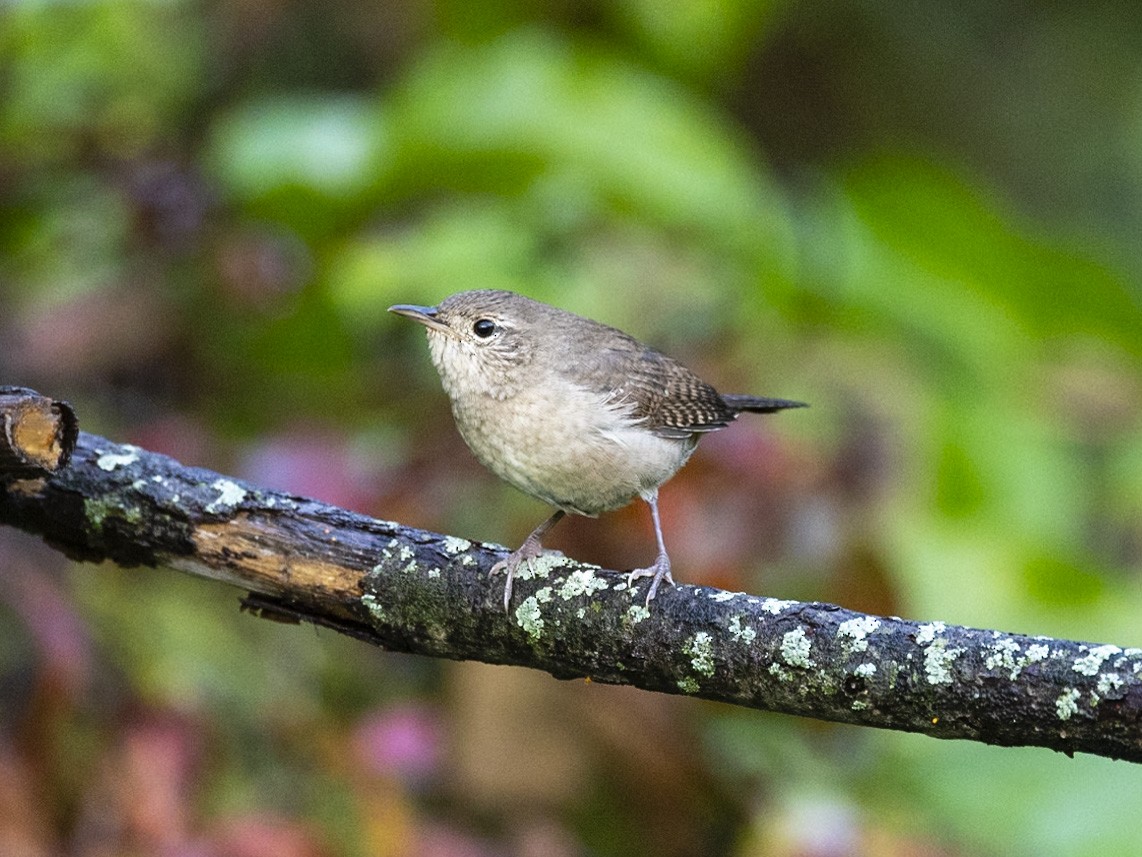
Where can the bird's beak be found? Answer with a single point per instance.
(426, 315)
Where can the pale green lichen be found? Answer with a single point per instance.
(1067, 704)
(702, 649)
(97, 511)
(540, 566)
(938, 660)
(543, 594)
(1092, 662)
(742, 635)
(773, 606)
(865, 670)
(373, 606)
(859, 704)
(454, 545)
(688, 685)
(397, 551)
(636, 613)
(1109, 682)
(433, 573)
(929, 632)
(858, 630)
(723, 595)
(1037, 652)
(1002, 655)
(230, 494)
(529, 617)
(582, 582)
(110, 460)
(780, 672)
(795, 648)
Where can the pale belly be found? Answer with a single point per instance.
(575, 455)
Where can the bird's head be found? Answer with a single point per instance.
(481, 341)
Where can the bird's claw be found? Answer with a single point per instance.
(525, 554)
(659, 571)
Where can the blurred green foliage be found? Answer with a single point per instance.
(922, 218)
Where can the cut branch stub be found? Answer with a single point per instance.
(37, 434)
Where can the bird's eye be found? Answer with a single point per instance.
(484, 328)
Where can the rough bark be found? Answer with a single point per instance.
(414, 591)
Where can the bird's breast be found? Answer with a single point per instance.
(576, 450)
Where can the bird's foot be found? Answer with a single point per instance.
(660, 571)
(530, 550)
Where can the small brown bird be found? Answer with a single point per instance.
(573, 412)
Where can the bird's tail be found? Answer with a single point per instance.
(759, 404)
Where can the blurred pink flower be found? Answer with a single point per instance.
(402, 741)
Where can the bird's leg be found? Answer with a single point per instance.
(529, 550)
(661, 569)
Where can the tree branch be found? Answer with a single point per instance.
(414, 591)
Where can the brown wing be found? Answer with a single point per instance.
(673, 401)
(661, 393)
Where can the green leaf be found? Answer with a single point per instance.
(312, 162)
(706, 40)
(330, 144)
(503, 115)
(118, 72)
(957, 233)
